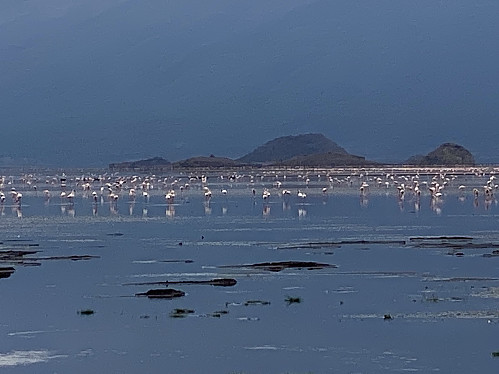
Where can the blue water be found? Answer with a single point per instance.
(442, 301)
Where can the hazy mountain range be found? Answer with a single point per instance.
(87, 82)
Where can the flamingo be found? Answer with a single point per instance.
(265, 194)
(70, 196)
(363, 188)
(475, 192)
(18, 198)
(132, 194)
(170, 196)
(207, 193)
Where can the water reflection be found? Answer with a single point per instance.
(364, 201)
(207, 208)
(286, 205)
(302, 212)
(436, 204)
(17, 211)
(415, 190)
(170, 211)
(71, 210)
(417, 205)
(113, 208)
(303, 229)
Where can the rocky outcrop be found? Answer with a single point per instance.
(155, 163)
(288, 147)
(448, 154)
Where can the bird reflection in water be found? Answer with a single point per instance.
(170, 211)
(417, 205)
(436, 204)
(71, 210)
(488, 203)
(286, 205)
(207, 208)
(302, 213)
(113, 208)
(364, 201)
(16, 210)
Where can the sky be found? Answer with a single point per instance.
(88, 82)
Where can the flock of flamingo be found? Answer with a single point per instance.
(109, 188)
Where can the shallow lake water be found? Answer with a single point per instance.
(341, 281)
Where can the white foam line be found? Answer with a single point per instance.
(15, 358)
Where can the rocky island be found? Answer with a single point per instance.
(150, 164)
(306, 150)
(302, 150)
(447, 154)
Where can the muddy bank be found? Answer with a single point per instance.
(218, 282)
(162, 293)
(279, 266)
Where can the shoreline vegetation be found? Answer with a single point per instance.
(301, 151)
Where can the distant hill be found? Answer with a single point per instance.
(446, 154)
(309, 150)
(206, 162)
(288, 147)
(328, 159)
(300, 150)
(155, 163)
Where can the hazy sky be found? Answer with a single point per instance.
(89, 82)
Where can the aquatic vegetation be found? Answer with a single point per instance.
(219, 313)
(495, 253)
(71, 257)
(432, 299)
(279, 266)
(256, 302)
(218, 282)
(292, 300)
(339, 244)
(86, 312)
(450, 242)
(6, 272)
(181, 313)
(177, 261)
(162, 293)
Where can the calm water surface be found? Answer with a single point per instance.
(405, 294)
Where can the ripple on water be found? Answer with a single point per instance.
(17, 358)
